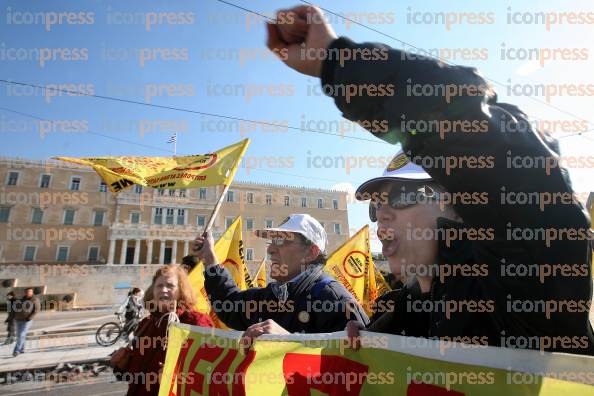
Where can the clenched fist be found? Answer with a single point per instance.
(299, 37)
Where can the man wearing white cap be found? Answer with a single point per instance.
(510, 223)
(303, 298)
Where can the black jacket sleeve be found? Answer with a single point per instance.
(233, 306)
(492, 150)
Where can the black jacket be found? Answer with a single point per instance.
(323, 305)
(496, 160)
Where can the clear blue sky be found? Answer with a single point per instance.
(214, 47)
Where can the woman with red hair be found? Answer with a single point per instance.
(168, 298)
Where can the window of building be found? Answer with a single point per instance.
(249, 254)
(320, 203)
(201, 221)
(268, 223)
(337, 228)
(268, 199)
(30, 253)
(135, 218)
(158, 216)
(44, 182)
(4, 214)
(171, 192)
(98, 218)
(62, 253)
(137, 189)
(68, 216)
(182, 192)
(335, 203)
(161, 192)
(75, 183)
(249, 224)
(229, 196)
(228, 222)
(37, 216)
(102, 187)
(93, 255)
(181, 216)
(304, 202)
(250, 198)
(202, 193)
(169, 216)
(287, 200)
(12, 179)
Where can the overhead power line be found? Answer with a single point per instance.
(407, 44)
(111, 98)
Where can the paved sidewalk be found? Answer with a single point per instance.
(46, 353)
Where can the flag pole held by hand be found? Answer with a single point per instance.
(214, 213)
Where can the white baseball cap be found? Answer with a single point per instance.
(400, 169)
(302, 224)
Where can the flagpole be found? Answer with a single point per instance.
(216, 209)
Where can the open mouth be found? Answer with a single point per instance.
(390, 247)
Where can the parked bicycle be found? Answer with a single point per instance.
(109, 333)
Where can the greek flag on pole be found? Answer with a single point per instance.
(173, 138)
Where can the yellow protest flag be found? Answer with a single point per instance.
(168, 172)
(351, 264)
(261, 275)
(229, 251)
(381, 286)
(248, 279)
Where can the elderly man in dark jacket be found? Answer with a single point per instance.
(303, 298)
(512, 245)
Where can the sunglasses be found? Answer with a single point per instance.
(401, 198)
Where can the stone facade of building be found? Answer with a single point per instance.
(54, 212)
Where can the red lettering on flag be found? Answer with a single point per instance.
(304, 372)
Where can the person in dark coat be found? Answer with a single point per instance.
(303, 299)
(25, 310)
(496, 220)
(10, 323)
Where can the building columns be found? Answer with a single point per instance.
(111, 252)
(123, 252)
(162, 251)
(137, 251)
(149, 251)
(186, 247)
(174, 252)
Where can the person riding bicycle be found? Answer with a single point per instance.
(133, 310)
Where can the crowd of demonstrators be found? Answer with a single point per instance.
(25, 309)
(169, 298)
(513, 307)
(10, 323)
(303, 297)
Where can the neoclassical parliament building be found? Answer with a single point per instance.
(54, 212)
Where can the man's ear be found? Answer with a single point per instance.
(313, 253)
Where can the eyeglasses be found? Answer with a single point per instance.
(400, 198)
(278, 242)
